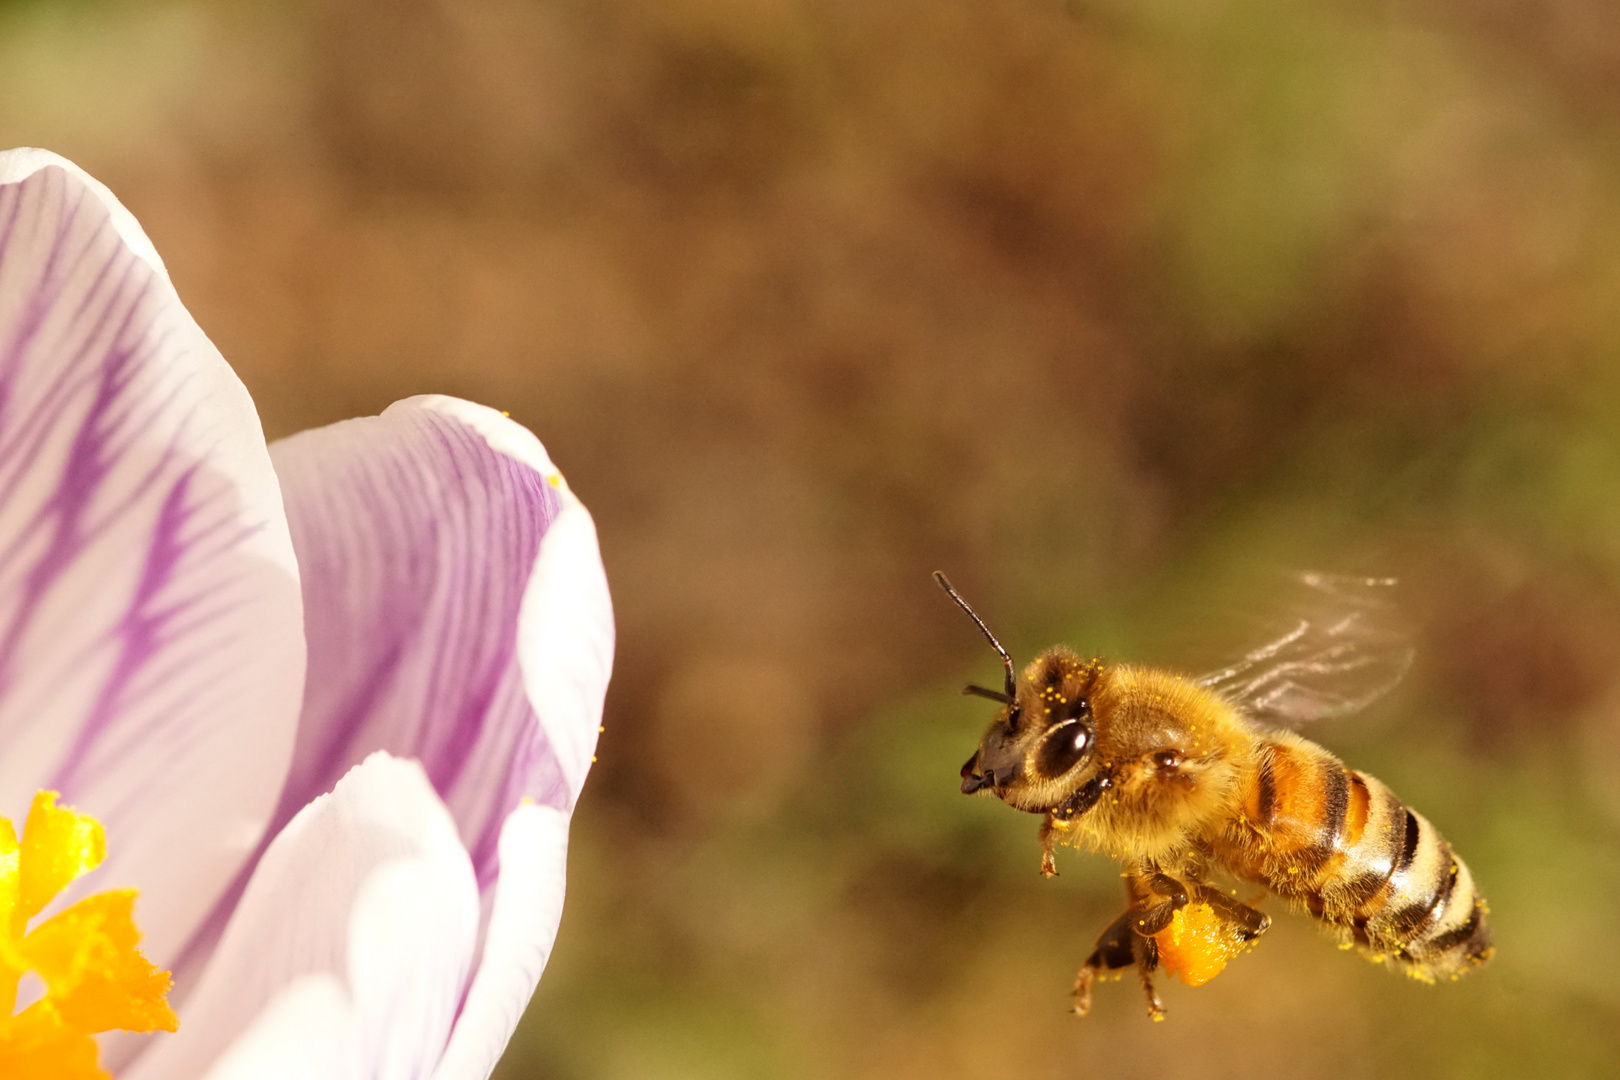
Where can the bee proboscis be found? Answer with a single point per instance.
(1176, 777)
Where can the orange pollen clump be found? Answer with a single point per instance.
(1197, 944)
(95, 979)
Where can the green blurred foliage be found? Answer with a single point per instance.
(1117, 310)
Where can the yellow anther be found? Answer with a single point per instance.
(94, 976)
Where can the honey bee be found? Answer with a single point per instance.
(1179, 778)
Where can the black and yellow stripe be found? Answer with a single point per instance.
(1344, 846)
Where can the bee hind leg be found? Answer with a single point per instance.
(1147, 962)
(1128, 941)
(1113, 952)
(1251, 922)
(1155, 899)
(1151, 917)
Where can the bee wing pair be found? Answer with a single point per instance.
(1341, 647)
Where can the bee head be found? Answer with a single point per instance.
(1043, 737)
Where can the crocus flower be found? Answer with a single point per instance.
(331, 701)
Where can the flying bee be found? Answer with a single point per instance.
(1179, 779)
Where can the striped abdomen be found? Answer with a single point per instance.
(1342, 844)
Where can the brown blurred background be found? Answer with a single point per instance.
(1114, 309)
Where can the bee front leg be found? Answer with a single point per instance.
(1052, 831)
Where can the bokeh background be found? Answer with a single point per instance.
(1117, 310)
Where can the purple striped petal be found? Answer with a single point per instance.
(457, 611)
(151, 644)
(365, 906)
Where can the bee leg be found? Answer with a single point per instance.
(1113, 952)
(1151, 918)
(1051, 833)
(1147, 962)
(1253, 923)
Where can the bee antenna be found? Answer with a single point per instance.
(1012, 678)
(985, 692)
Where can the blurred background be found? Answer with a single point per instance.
(1116, 310)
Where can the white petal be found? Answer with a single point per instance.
(309, 1030)
(565, 640)
(369, 886)
(522, 930)
(151, 627)
(411, 941)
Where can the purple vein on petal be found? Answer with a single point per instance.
(415, 542)
(416, 555)
(141, 631)
(150, 644)
(85, 469)
(54, 280)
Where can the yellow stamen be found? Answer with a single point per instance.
(94, 976)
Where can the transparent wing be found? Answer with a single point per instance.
(1340, 647)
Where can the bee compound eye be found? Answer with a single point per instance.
(1065, 746)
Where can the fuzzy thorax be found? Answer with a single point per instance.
(1173, 753)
